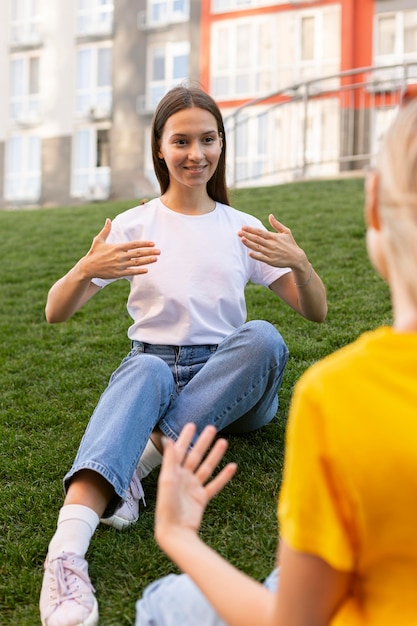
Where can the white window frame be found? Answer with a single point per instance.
(96, 185)
(25, 106)
(381, 118)
(95, 18)
(399, 55)
(93, 99)
(159, 87)
(317, 66)
(223, 6)
(26, 22)
(169, 14)
(225, 64)
(23, 184)
(252, 147)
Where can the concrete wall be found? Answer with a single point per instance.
(126, 137)
(384, 6)
(56, 171)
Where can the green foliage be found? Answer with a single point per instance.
(52, 376)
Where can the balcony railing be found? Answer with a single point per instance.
(317, 128)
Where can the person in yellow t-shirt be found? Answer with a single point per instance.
(348, 503)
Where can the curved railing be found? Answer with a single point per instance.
(322, 127)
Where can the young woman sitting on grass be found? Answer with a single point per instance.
(348, 503)
(188, 256)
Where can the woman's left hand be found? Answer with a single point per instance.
(278, 248)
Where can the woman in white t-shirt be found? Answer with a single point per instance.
(188, 257)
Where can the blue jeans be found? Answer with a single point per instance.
(233, 385)
(177, 601)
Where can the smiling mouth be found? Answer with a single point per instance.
(195, 169)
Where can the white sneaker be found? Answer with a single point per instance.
(67, 595)
(127, 513)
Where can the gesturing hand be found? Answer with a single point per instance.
(106, 260)
(277, 248)
(184, 485)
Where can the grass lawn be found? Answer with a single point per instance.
(51, 377)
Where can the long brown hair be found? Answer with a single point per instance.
(178, 99)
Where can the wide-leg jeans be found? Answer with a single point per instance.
(176, 601)
(233, 385)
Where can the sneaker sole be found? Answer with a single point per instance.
(119, 523)
(92, 619)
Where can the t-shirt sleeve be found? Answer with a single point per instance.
(315, 508)
(262, 273)
(265, 274)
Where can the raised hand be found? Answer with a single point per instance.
(185, 486)
(107, 260)
(277, 248)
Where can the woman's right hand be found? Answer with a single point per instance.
(103, 260)
(108, 260)
(186, 484)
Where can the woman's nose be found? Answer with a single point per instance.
(195, 152)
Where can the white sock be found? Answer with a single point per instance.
(151, 458)
(76, 526)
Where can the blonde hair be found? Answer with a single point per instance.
(397, 193)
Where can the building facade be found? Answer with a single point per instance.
(81, 78)
(299, 85)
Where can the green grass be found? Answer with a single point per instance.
(52, 376)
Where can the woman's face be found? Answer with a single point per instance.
(191, 147)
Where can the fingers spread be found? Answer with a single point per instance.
(219, 481)
(200, 448)
(213, 458)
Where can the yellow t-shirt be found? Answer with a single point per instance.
(349, 492)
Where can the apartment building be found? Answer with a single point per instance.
(80, 80)
(287, 76)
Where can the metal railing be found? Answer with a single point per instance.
(321, 127)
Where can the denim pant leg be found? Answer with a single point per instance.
(176, 601)
(236, 390)
(138, 394)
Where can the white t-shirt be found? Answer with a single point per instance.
(194, 293)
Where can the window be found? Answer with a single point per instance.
(317, 46)
(386, 35)
(381, 120)
(168, 68)
(94, 80)
(23, 168)
(244, 58)
(26, 21)
(256, 56)
(410, 32)
(251, 156)
(396, 37)
(221, 6)
(167, 11)
(24, 89)
(95, 16)
(307, 38)
(91, 163)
